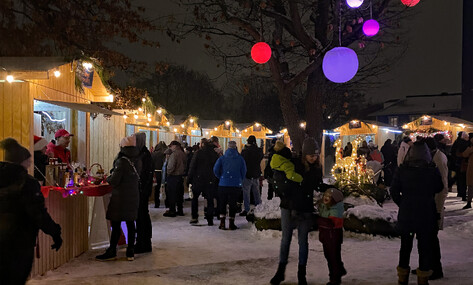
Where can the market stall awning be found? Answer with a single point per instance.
(90, 108)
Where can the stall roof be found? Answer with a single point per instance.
(453, 120)
(209, 124)
(91, 108)
(30, 63)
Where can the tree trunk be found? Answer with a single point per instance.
(313, 105)
(291, 119)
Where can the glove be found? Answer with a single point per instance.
(57, 242)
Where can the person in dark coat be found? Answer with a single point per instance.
(348, 150)
(125, 198)
(203, 180)
(297, 203)
(268, 172)
(158, 157)
(230, 169)
(40, 159)
(413, 189)
(390, 161)
(252, 155)
(146, 168)
(363, 150)
(175, 168)
(462, 165)
(22, 215)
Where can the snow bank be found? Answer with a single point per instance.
(373, 212)
(359, 201)
(268, 209)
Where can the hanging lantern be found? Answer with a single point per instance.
(371, 28)
(410, 3)
(261, 52)
(354, 3)
(340, 64)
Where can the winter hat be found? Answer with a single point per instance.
(278, 146)
(168, 151)
(62, 133)
(232, 144)
(418, 152)
(128, 141)
(336, 194)
(310, 146)
(14, 152)
(39, 143)
(251, 139)
(175, 143)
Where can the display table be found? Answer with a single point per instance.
(69, 208)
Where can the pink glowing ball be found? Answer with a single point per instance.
(340, 64)
(261, 52)
(410, 3)
(371, 27)
(354, 3)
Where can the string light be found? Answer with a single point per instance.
(215, 129)
(182, 126)
(149, 119)
(148, 115)
(191, 120)
(140, 109)
(147, 124)
(9, 78)
(57, 73)
(135, 116)
(144, 99)
(159, 111)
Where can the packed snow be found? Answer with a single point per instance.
(186, 254)
(372, 212)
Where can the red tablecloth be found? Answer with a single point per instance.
(89, 190)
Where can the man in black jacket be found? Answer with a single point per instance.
(22, 215)
(253, 156)
(203, 180)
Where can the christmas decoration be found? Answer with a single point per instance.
(340, 64)
(410, 3)
(261, 52)
(354, 3)
(371, 28)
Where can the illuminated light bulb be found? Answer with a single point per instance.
(215, 129)
(302, 125)
(110, 97)
(148, 115)
(167, 123)
(246, 131)
(147, 124)
(239, 135)
(227, 123)
(140, 109)
(354, 3)
(87, 65)
(257, 125)
(149, 119)
(445, 123)
(206, 133)
(159, 111)
(57, 73)
(135, 116)
(175, 129)
(144, 99)
(9, 78)
(182, 126)
(237, 130)
(125, 116)
(191, 120)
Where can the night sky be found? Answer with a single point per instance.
(431, 65)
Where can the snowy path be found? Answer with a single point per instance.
(185, 254)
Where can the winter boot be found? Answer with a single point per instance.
(403, 275)
(301, 280)
(130, 253)
(210, 221)
(222, 224)
(279, 276)
(232, 225)
(467, 206)
(423, 277)
(110, 254)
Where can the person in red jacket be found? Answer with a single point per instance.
(63, 139)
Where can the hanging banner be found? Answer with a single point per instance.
(85, 74)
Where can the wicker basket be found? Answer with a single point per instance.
(97, 177)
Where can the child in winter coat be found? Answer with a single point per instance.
(281, 161)
(331, 233)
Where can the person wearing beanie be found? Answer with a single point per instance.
(268, 172)
(230, 169)
(413, 189)
(252, 155)
(330, 222)
(63, 139)
(22, 215)
(125, 198)
(176, 168)
(40, 159)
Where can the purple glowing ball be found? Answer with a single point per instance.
(340, 64)
(354, 3)
(371, 28)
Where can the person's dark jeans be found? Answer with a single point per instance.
(157, 189)
(116, 231)
(303, 222)
(436, 264)
(175, 192)
(143, 223)
(424, 246)
(461, 185)
(208, 191)
(228, 195)
(270, 191)
(332, 246)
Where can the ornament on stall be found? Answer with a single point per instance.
(371, 28)
(410, 3)
(340, 64)
(261, 52)
(354, 3)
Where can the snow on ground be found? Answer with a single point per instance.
(185, 254)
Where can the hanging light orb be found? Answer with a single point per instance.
(410, 3)
(340, 64)
(261, 52)
(354, 3)
(371, 28)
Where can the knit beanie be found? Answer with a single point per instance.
(336, 194)
(39, 143)
(232, 144)
(310, 146)
(278, 146)
(14, 152)
(251, 139)
(128, 141)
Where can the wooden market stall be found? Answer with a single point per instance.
(427, 125)
(256, 129)
(30, 85)
(369, 130)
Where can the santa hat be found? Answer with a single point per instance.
(39, 143)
